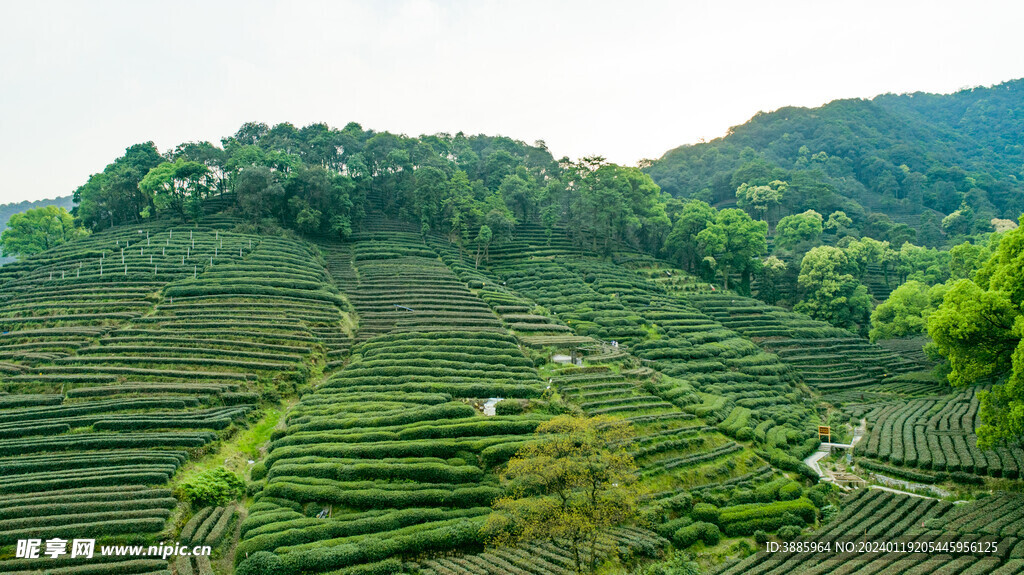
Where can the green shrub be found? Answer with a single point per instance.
(498, 454)
(700, 531)
(508, 407)
(817, 498)
(677, 564)
(298, 530)
(744, 433)
(260, 563)
(966, 478)
(790, 491)
(760, 536)
(259, 471)
(220, 528)
(789, 532)
(680, 503)
(745, 519)
(213, 487)
(705, 512)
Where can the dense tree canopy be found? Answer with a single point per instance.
(830, 291)
(735, 241)
(979, 328)
(911, 159)
(682, 246)
(178, 186)
(38, 230)
(795, 229)
(905, 312)
(113, 197)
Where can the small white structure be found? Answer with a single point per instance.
(489, 405)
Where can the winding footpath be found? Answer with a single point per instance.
(825, 449)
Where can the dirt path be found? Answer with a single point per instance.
(900, 491)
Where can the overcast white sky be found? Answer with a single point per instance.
(81, 81)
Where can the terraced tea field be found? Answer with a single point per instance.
(411, 376)
(130, 352)
(992, 523)
(827, 358)
(390, 445)
(937, 433)
(738, 383)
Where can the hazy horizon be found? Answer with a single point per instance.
(84, 82)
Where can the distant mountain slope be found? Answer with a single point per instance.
(914, 157)
(8, 210)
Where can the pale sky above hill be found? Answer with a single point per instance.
(81, 81)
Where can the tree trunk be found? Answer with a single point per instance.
(576, 557)
(593, 552)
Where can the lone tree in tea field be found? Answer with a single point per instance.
(570, 486)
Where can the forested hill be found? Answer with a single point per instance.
(8, 210)
(914, 157)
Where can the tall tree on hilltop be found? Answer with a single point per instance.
(113, 197)
(178, 186)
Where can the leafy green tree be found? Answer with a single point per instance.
(838, 221)
(258, 193)
(772, 271)
(428, 196)
(735, 241)
(501, 223)
(570, 487)
(250, 133)
(868, 251)
(965, 259)
(979, 329)
(320, 201)
(214, 158)
(483, 243)
(178, 186)
(610, 203)
(461, 211)
(905, 312)
(927, 265)
(307, 219)
(37, 230)
(682, 246)
(497, 166)
(865, 251)
(830, 292)
(959, 222)
(113, 197)
(763, 199)
(520, 194)
(798, 228)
